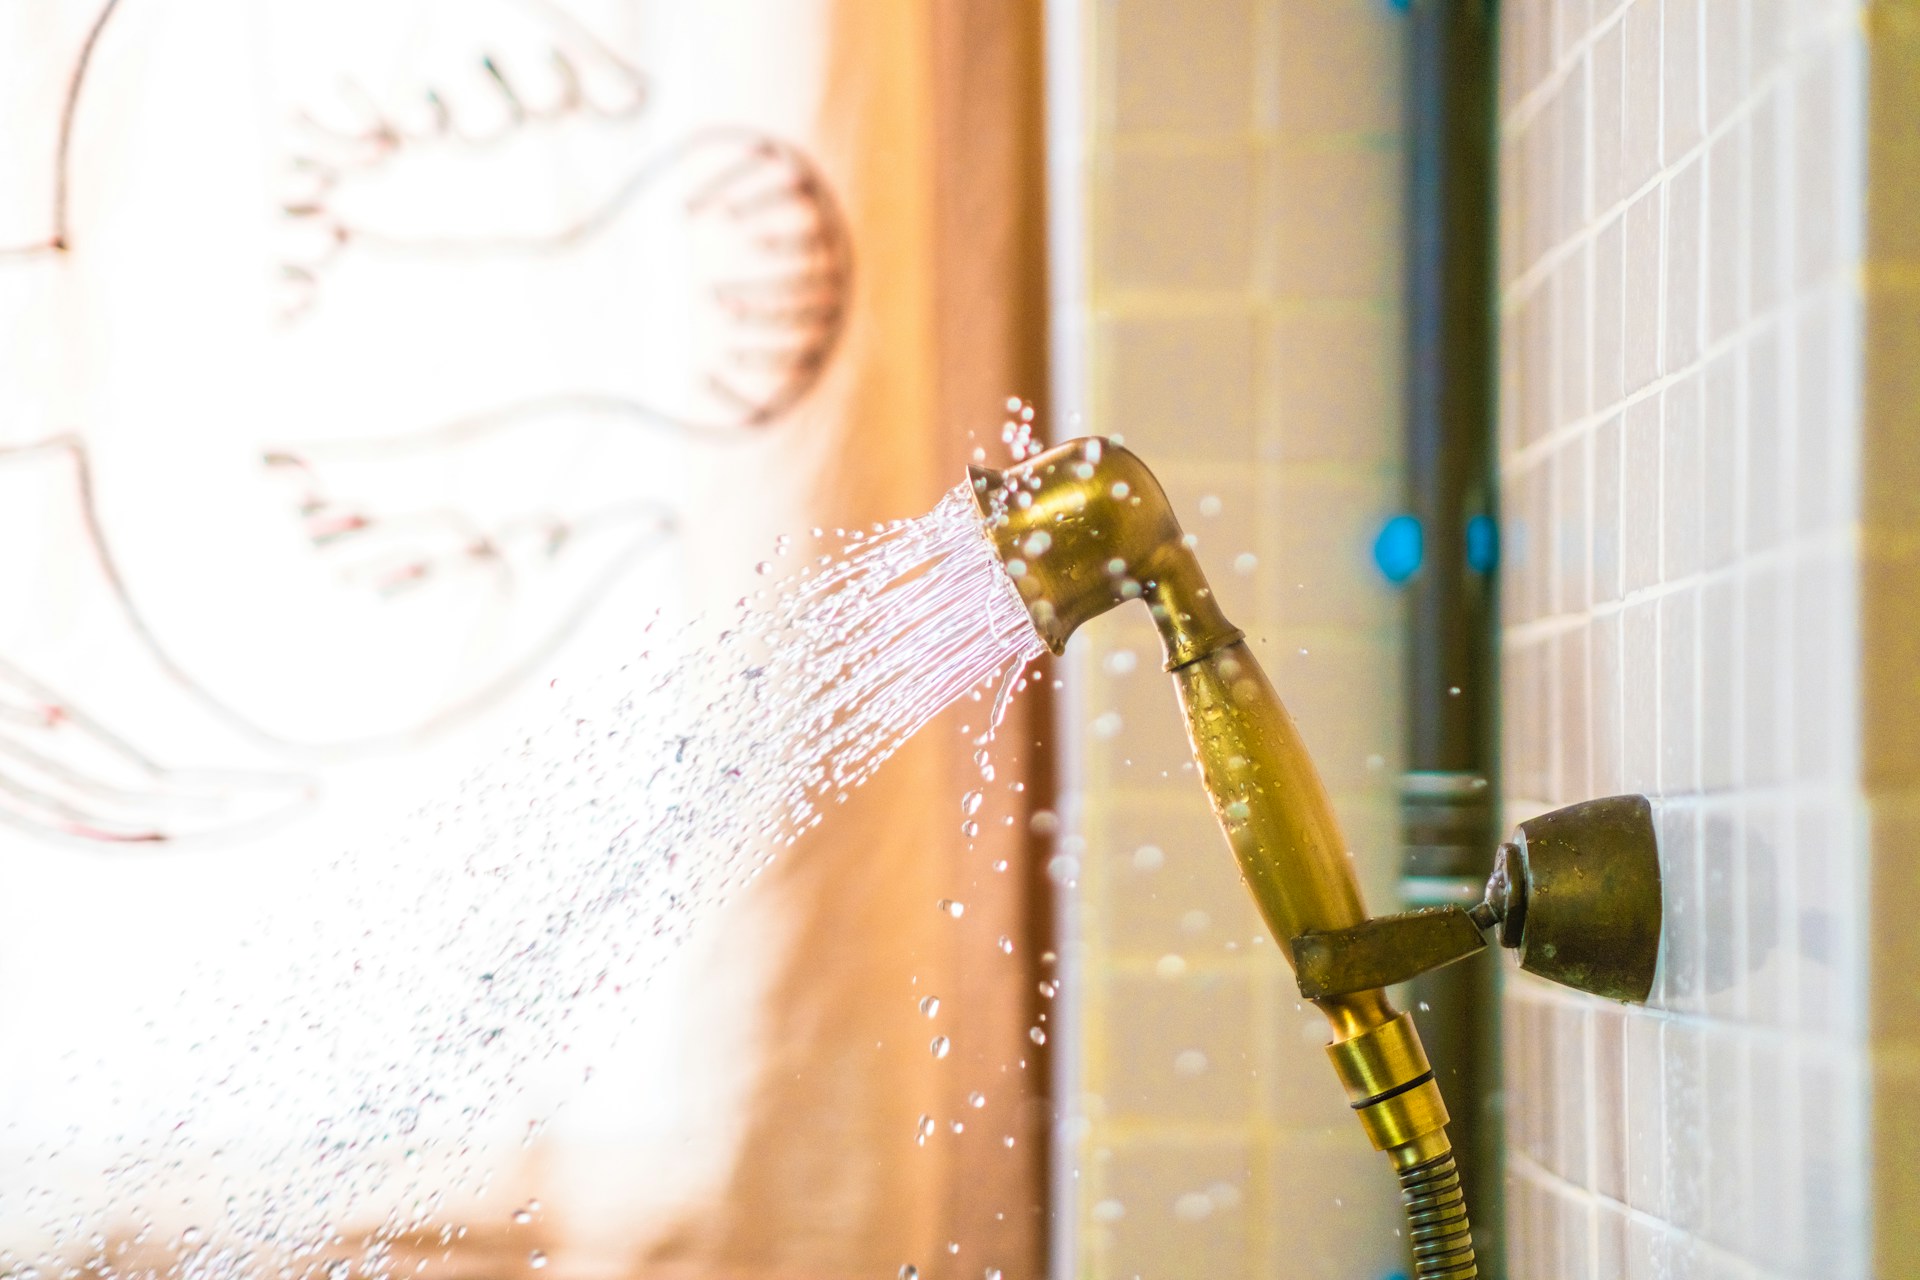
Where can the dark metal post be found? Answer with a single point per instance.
(1448, 798)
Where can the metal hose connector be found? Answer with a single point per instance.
(1437, 1220)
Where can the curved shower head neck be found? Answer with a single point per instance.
(1083, 528)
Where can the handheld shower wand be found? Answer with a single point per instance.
(1085, 527)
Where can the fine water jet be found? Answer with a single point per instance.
(1085, 527)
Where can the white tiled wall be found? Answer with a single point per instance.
(1681, 477)
(1242, 332)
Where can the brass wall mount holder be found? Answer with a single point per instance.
(1575, 892)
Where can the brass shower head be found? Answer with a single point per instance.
(1084, 527)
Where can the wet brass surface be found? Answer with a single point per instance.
(1587, 881)
(1383, 951)
(1084, 527)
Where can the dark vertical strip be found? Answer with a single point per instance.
(1448, 801)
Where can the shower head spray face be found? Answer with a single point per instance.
(1085, 527)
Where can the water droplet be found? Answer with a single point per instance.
(1195, 921)
(1194, 1206)
(1006, 945)
(976, 1099)
(940, 1047)
(1190, 1063)
(1245, 563)
(952, 908)
(1047, 989)
(1170, 966)
(924, 1129)
(1007, 1141)
(970, 803)
(523, 1216)
(969, 829)
(909, 1272)
(537, 1259)
(1121, 662)
(190, 1237)
(1453, 691)
(956, 1126)
(930, 1005)
(1109, 1211)
(764, 567)
(1107, 725)
(1425, 1007)
(993, 1273)
(1211, 506)
(1036, 1035)
(1038, 543)
(1148, 858)
(1043, 822)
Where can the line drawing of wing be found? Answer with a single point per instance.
(55, 239)
(742, 248)
(65, 775)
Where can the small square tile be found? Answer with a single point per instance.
(1640, 140)
(1573, 718)
(1181, 1208)
(1605, 513)
(1335, 230)
(1646, 1111)
(1339, 67)
(1641, 493)
(1181, 385)
(1177, 219)
(1725, 41)
(1181, 69)
(1641, 330)
(1609, 1079)
(1338, 389)
(1683, 921)
(1769, 186)
(1183, 1049)
(1719, 673)
(1608, 753)
(1610, 315)
(1723, 914)
(1169, 886)
(1683, 481)
(1609, 91)
(1574, 357)
(1728, 196)
(1729, 1205)
(1720, 432)
(1685, 265)
(1679, 691)
(1682, 82)
(1688, 1156)
(1768, 493)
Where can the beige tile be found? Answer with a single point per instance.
(1769, 184)
(1303, 1096)
(1683, 920)
(1640, 140)
(1135, 734)
(1337, 378)
(1574, 340)
(1339, 67)
(1607, 756)
(1642, 314)
(1679, 693)
(1324, 1200)
(1608, 1075)
(1685, 265)
(1609, 315)
(1180, 385)
(1826, 336)
(1727, 204)
(1821, 239)
(1720, 428)
(1573, 719)
(1535, 319)
(1725, 42)
(1342, 697)
(1609, 88)
(1767, 495)
(1683, 481)
(1322, 571)
(1176, 219)
(1641, 494)
(1606, 459)
(1221, 507)
(1335, 229)
(1640, 696)
(1173, 887)
(1719, 655)
(1571, 535)
(1646, 1114)
(1572, 204)
(1682, 86)
(1177, 1048)
(1185, 1208)
(1181, 68)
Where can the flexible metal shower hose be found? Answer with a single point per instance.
(1437, 1220)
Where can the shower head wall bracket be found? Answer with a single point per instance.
(1576, 893)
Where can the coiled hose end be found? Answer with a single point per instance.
(1437, 1219)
